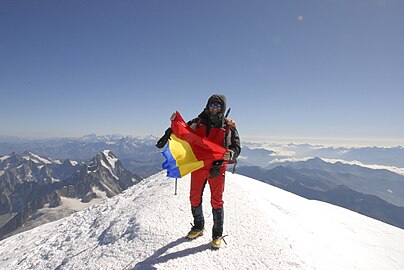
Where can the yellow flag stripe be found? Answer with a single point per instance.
(184, 156)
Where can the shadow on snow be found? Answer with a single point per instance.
(157, 257)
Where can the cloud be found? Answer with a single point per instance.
(370, 166)
(293, 159)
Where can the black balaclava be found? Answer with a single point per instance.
(216, 120)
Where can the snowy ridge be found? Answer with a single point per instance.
(268, 228)
(111, 159)
(73, 163)
(108, 161)
(3, 158)
(36, 158)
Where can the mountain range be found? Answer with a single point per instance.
(385, 184)
(28, 182)
(382, 156)
(366, 191)
(137, 154)
(338, 183)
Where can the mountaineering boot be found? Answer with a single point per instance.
(199, 222)
(216, 241)
(217, 230)
(195, 232)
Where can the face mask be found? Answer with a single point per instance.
(215, 118)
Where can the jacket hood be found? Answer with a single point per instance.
(216, 120)
(219, 98)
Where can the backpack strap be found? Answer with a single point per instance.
(229, 123)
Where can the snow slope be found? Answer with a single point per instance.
(267, 228)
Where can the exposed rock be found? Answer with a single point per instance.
(88, 197)
(30, 181)
(5, 204)
(56, 201)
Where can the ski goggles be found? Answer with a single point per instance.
(215, 105)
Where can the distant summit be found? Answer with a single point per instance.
(28, 182)
(89, 138)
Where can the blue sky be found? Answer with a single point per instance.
(290, 68)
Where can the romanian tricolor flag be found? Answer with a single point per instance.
(187, 151)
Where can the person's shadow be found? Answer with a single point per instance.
(157, 257)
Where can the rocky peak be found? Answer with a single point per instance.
(105, 160)
(67, 164)
(33, 180)
(10, 160)
(45, 176)
(35, 158)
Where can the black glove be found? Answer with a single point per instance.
(215, 170)
(163, 140)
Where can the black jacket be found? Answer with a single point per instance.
(232, 140)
